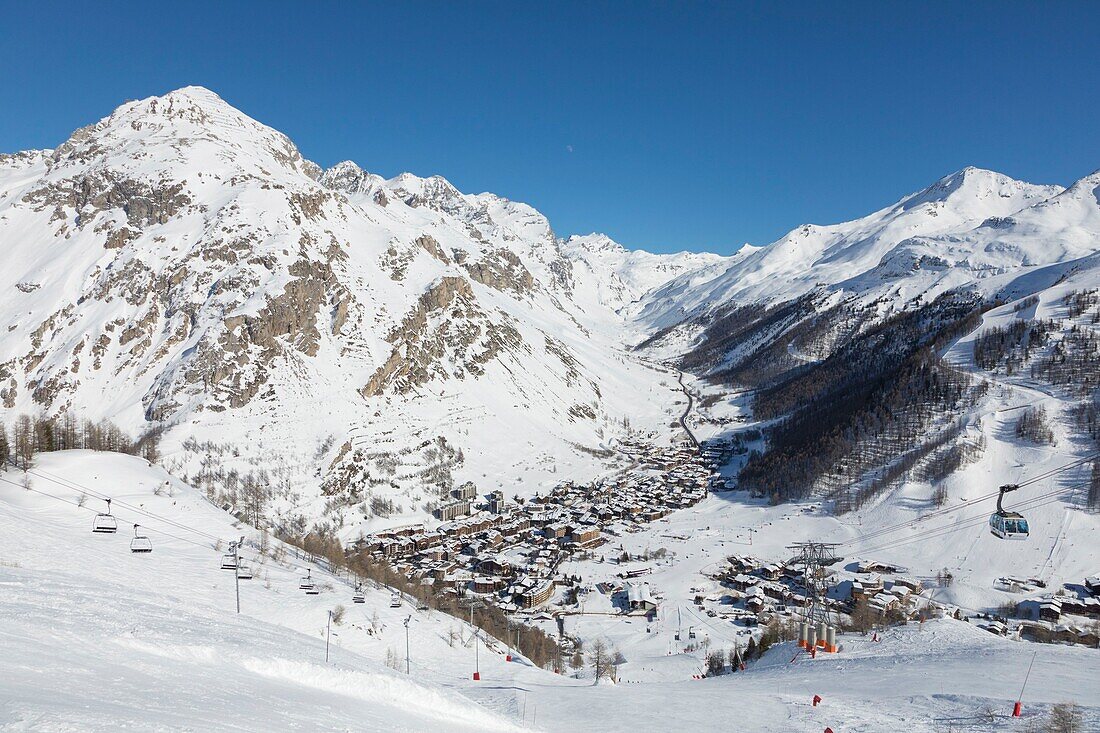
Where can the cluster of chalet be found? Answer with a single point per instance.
(762, 588)
(508, 553)
(767, 590)
(884, 596)
(1069, 616)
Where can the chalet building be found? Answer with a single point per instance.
(1050, 609)
(485, 584)
(495, 566)
(1092, 585)
(556, 530)
(536, 595)
(640, 598)
(883, 602)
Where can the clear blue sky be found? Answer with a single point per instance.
(667, 125)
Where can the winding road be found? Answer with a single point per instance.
(687, 411)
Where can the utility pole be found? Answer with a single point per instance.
(474, 603)
(237, 572)
(328, 634)
(407, 664)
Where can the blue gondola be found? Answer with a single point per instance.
(1007, 525)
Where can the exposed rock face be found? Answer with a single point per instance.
(143, 204)
(501, 269)
(445, 335)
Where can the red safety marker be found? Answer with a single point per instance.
(508, 658)
(477, 676)
(817, 699)
(828, 730)
(1017, 709)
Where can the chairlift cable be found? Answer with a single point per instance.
(73, 503)
(68, 483)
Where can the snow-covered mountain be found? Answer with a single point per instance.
(180, 264)
(974, 229)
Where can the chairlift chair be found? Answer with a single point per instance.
(229, 561)
(244, 572)
(140, 543)
(307, 585)
(1007, 525)
(395, 601)
(358, 596)
(104, 522)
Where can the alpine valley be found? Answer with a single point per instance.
(616, 449)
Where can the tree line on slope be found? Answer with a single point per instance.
(874, 401)
(29, 435)
(1071, 363)
(533, 643)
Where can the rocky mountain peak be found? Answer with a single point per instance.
(179, 133)
(348, 177)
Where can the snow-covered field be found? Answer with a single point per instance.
(97, 638)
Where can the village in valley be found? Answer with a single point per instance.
(508, 552)
(561, 556)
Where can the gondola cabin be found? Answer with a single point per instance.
(1004, 524)
(1008, 526)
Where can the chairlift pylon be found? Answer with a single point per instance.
(1004, 524)
(140, 543)
(104, 522)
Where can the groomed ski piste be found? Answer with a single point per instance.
(96, 638)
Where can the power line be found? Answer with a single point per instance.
(883, 531)
(974, 521)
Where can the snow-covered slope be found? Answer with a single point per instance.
(179, 264)
(618, 276)
(950, 233)
(99, 639)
